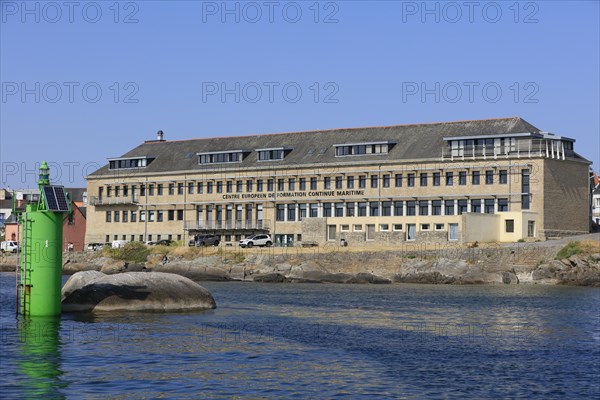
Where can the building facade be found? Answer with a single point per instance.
(487, 180)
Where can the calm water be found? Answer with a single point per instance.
(317, 341)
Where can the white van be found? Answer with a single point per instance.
(118, 243)
(9, 246)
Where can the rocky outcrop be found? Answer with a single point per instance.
(133, 291)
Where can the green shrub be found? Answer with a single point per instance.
(570, 249)
(521, 240)
(135, 252)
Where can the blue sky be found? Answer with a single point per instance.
(91, 80)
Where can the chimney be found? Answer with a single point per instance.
(159, 136)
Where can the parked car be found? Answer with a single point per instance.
(118, 243)
(9, 246)
(95, 246)
(256, 240)
(164, 242)
(204, 240)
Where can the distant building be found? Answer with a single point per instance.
(484, 180)
(595, 199)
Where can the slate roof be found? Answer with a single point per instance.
(413, 142)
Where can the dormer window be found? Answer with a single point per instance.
(128, 163)
(361, 149)
(273, 154)
(220, 157)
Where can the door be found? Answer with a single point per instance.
(331, 232)
(370, 231)
(452, 231)
(411, 231)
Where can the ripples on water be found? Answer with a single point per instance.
(316, 341)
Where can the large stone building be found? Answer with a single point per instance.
(486, 180)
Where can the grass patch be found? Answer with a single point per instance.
(585, 247)
(135, 252)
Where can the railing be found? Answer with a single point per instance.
(228, 225)
(111, 201)
(524, 149)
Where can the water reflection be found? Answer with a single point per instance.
(39, 347)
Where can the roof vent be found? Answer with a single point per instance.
(160, 135)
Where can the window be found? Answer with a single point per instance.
(171, 189)
(439, 227)
(362, 209)
(436, 207)
(249, 185)
(280, 185)
(509, 225)
(125, 190)
(411, 180)
(126, 163)
(360, 149)
(503, 177)
(108, 216)
(475, 178)
(270, 154)
(180, 188)
(525, 189)
(423, 178)
(314, 210)
(302, 211)
(462, 178)
(239, 186)
(133, 216)
(386, 180)
(117, 216)
(159, 216)
(398, 208)
(142, 216)
(398, 180)
(476, 205)
(411, 208)
(151, 190)
(302, 183)
(108, 191)
(362, 182)
(259, 185)
(327, 183)
(436, 178)
(449, 207)
(449, 178)
(374, 209)
(424, 227)
(384, 227)
(222, 157)
(503, 204)
(350, 182)
(209, 187)
(462, 206)
(488, 206)
(179, 215)
(397, 227)
(270, 185)
(291, 212)
(358, 227)
(344, 228)
(228, 187)
(350, 209)
(489, 177)
(374, 181)
(159, 189)
(313, 183)
(125, 216)
(291, 184)
(200, 188)
(530, 228)
(151, 216)
(423, 207)
(411, 232)
(339, 209)
(219, 187)
(326, 209)
(338, 182)
(191, 188)
(386, 208)
(142, 190)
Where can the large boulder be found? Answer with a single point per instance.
(133, 291)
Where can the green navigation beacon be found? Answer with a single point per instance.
(40, 258)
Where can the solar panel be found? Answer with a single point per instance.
(56, 199)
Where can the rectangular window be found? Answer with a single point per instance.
(411, 208)
(249, 185)
(280, 213)
(270, 154)
(200, 188)
(125, 216)
(449, 178)
(179, 215)
(530, 228)
(362, 182)
(108, 216)
(439, 227)
(171, 215)
(150, 190)
(449, 207)
(142, 216)
(386, 208)
(219, 187)
(171, 189)
(327, 210)
(191, 187)
(125, 190)
(117, 191)
(436, 178)
(398, 180)
(503, 204)
(209, 187)
(350, 182)
(462, 206)
(313, 183)
(462, 178)
(142, 190)
(436, 207)
(424, 227)
(270, 185)
(374, 181)
(397, 227)
(344, 228)
(159, 216)
(398, 208)
(423, 178)
(384, 227)
(476, 205)
(357, 227)
(338, 182)
(239, 186)
(488, 206)
(509, 225)
(489, 177)
(423, 207)
(339, 209)
(280, 185)
(475, 178)
(291, 212)
(180, 188)
(117, 216)
(302, 211)
(151, 216)
(228, 187)
(525, 189)
(374, 209)
(259, 185)
(134, 216)
(302, 183)
(160, 189)
(350, 209)
(503, 177)
(386, 180)
(362, 209)
(314, 210)
(327, 183)
(411, 180)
